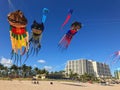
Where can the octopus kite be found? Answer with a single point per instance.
(36, 34)
(66, 39)
(18, 34)
(34, 41)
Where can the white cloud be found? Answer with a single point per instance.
(48, 67)
(34, 65)
(41, 61)
(6, 62)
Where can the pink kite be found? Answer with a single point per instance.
(114, 58)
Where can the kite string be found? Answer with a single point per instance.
(111, 56)
(113, 59)
(11, 6)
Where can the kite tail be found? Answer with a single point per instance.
(26, 49)
(64, 42)
(20, 60)
(111, 57)
(45, 12)
(115, 60)
(28, 52)
(67, 18)
(27, 56)
(16, 58)
(38, 49)
(11, 6)
(34, 51)
(31, 50)
(12, 54)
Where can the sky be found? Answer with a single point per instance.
(97, 39)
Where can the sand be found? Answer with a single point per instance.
(57, 85)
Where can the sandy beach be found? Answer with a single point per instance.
(57, 85)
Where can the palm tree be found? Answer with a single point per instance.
(71, 75)
(29, 70)
(36, 70)
(44, 71)
(75, 76)
(83, 78)
(6, 71)
(88, 77)
(26, 70)
(14, 70)
(1, 68)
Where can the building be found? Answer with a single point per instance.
(41, 76)
(87, 66)
(117, 74)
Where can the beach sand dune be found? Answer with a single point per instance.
(57, 85)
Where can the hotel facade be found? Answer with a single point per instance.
(87, 66)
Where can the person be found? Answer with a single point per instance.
(51, 83)
(34, 80)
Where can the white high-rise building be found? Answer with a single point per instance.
(87, 66)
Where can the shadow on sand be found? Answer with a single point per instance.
(73, 84)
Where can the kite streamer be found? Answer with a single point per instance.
(68, 17)
(114, 58)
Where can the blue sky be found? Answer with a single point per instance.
(97, 40)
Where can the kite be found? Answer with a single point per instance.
(66, 39)
(18, 34)
(36, 34)
(45, 12)
(68, 17)
(115, 57)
